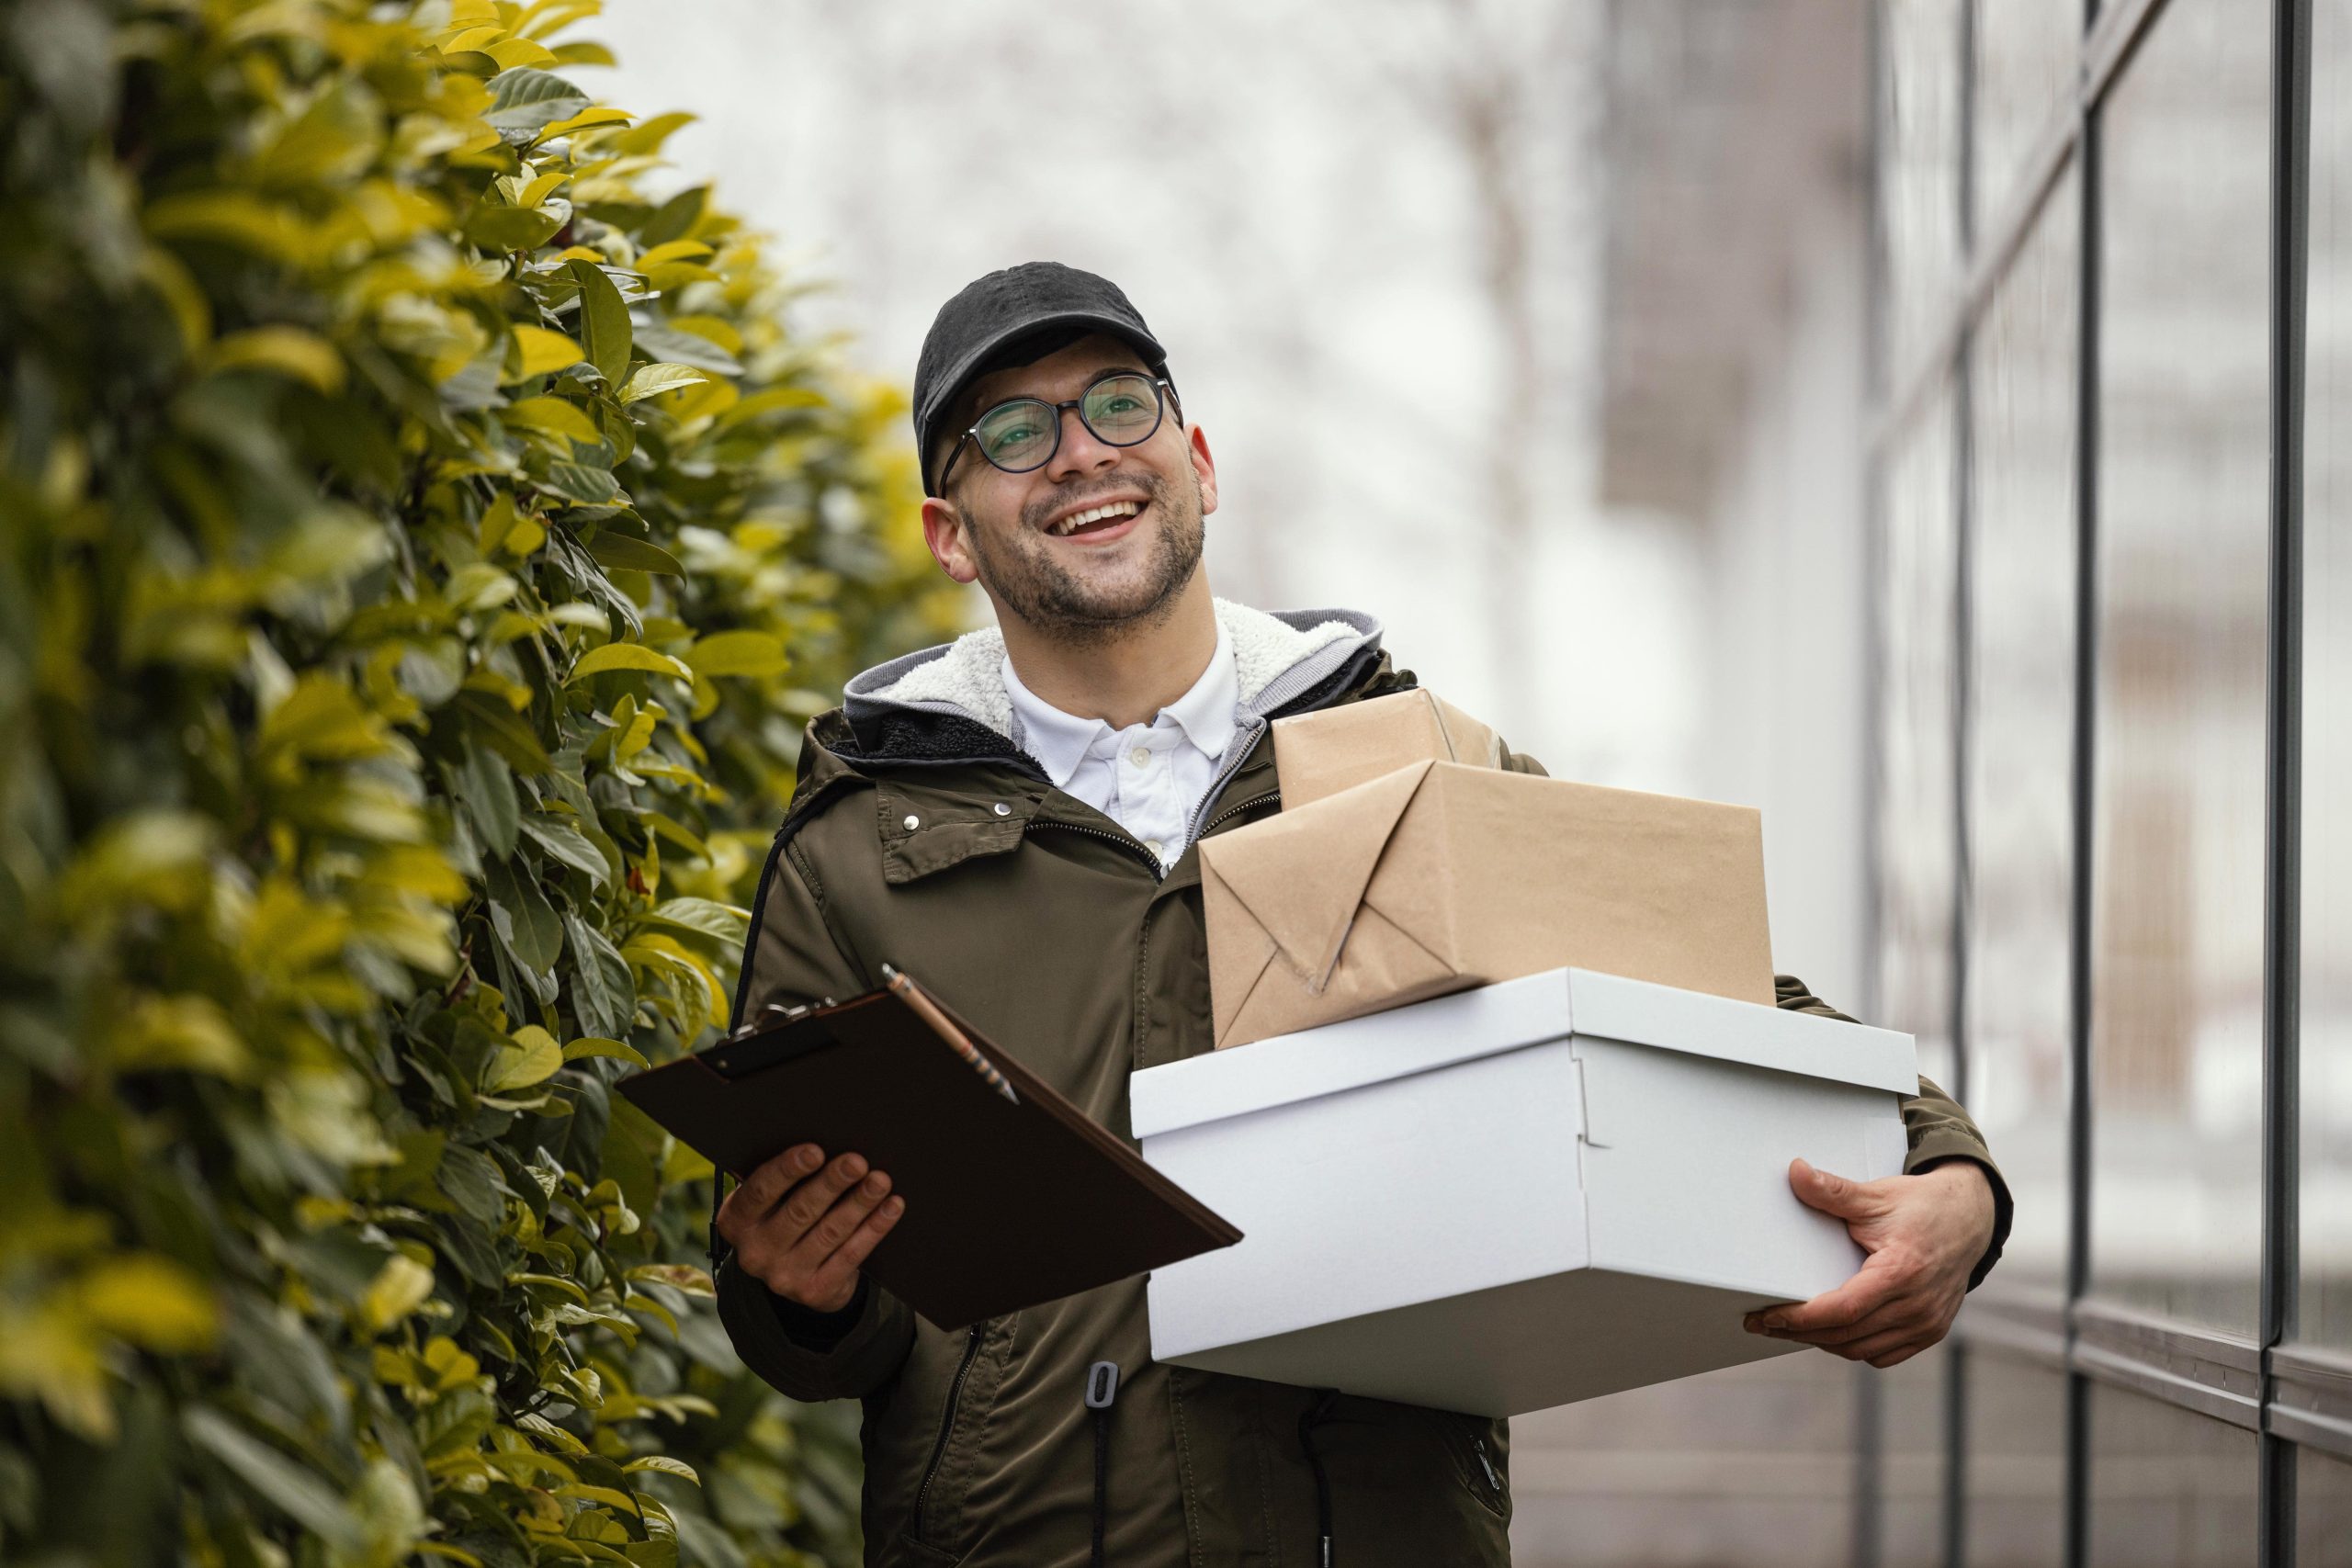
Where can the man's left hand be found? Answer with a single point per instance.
(1923, 1233)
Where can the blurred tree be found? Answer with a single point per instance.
(418, 550)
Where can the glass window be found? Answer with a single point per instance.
(2017, 1464)
(1916, 715)
(2183, 544)
(2020, 800)
(2169, 1488)
(1919, 170)
(2327, 1002)
(1912, 1451)
(2323, 1505)
(2028, 52)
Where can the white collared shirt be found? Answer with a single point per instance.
(1147, 777)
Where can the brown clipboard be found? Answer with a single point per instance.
(1012, 1201)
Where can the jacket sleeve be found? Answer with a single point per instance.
(1939, 1130)
(791, 957)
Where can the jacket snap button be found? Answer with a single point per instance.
(1003, 809)
(912, 822)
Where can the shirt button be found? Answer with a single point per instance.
(912, 822)
(1153, 845)
(1003, 809)
(1140, 756)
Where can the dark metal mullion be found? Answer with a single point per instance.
(2089, 239)
(1869, 1399)
(2290, 234)
(1963, 647)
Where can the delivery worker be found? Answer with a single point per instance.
(1011, 817)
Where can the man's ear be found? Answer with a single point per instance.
(943, 530)
(1204, 466)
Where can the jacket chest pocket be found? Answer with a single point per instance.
(925, 831)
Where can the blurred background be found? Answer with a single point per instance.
(1918, 419)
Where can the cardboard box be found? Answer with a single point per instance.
(1516, 1196)
(1321, 753)
(1438, 878)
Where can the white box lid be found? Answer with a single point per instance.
(1490, 1020)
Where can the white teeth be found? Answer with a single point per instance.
(1079, 519)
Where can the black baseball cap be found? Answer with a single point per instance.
(1016, 316)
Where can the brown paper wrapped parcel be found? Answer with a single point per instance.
(1436, 877)
(1319, 754)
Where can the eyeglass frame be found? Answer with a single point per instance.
(1163, 398)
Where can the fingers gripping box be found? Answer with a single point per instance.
(1518, 1196)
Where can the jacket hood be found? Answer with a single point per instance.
(1277, 657)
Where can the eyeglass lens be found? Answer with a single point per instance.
(1021, 434)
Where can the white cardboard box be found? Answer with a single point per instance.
(1518, 1196)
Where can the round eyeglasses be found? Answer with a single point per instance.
(1022, 434)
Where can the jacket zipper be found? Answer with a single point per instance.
(947, 1421)
(1121, 840)
(1266, 799)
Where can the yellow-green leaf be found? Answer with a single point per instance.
(555, 415)
(539, 351)
(738, 653)
(677, 250)
(531, 1059)
(398, 1290)
(665, 1465)
(627, 655)
(290, 351)
(151, 1301)
(648, 379)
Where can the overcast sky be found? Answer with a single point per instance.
(1307, 203)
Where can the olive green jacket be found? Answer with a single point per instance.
(921, 835)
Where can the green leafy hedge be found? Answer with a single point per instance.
(422, 547)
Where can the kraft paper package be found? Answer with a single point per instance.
(1319, 754)
(1438, 876)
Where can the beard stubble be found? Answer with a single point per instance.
(1023, 575)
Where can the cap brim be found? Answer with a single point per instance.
(969, 367)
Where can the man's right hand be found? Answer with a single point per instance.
(802, 1231)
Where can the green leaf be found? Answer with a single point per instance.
(489, 797)
(703, 916)
(626, 554)
(604, 996)
(285, 1484)
(535, 935)
(526, 99)
(577, 481)
(562, 838)
(589, 1045)
(648, 379)
(627, 655)
(604, 329)
(498, 228)
(504, 731)
(557, 416)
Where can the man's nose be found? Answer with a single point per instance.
(1080, 452)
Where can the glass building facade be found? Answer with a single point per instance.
(2111, 491)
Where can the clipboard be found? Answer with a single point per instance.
(1015, 1196)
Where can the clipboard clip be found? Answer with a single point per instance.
(775, 1013)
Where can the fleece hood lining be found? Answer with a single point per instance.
(966, 676)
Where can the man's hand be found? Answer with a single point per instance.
(1923, 1233)
(803, 1231)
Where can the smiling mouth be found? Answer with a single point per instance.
(1095, 519)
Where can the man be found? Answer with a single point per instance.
(1012, 817)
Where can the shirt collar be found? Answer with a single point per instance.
(1060, 741)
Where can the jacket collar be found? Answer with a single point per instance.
(1277, 657)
